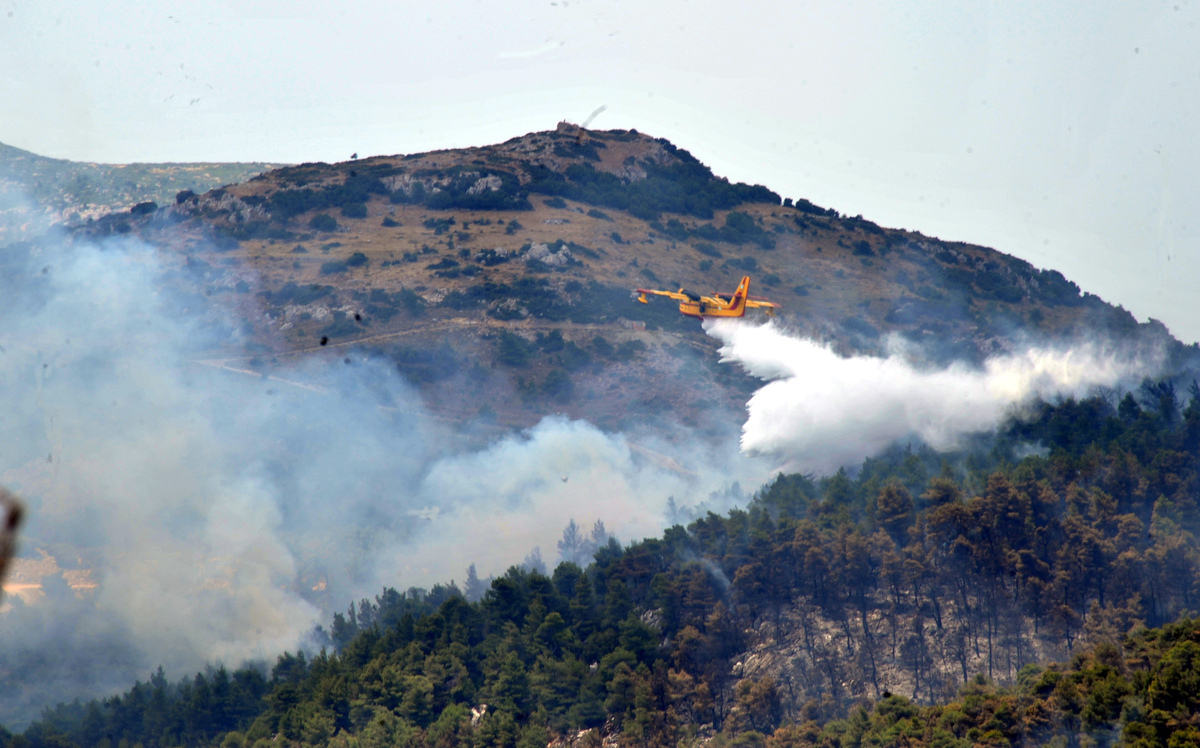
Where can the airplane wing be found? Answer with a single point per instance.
(669, 294)
(769, 306)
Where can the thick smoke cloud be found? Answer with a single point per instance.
(819, 411)
(222, 516)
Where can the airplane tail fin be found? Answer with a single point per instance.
(737, 302)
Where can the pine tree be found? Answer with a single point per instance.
(534, 563)
(474, 588)
(598, 540)
(572, 547)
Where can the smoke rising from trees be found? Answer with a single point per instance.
(223, 516)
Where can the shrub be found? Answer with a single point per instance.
(333, 266)
(749, 264)
(512, 350)
(1009, 293)
(323, 222)
(439, 225)
(551, 343)
(470, 271)
(577, 149)
(555, 202)
(390, 223)
(513, 227)
(674, 229)
(341, 326)
(946, 256)
(602, 346)
(291, 293)
(573, 357)
(863, 248)
(413, 304)
(579, 249)
(293, 202)
(354, 210)
(593, 213)
(384, 312)
(862, 224)
(558, 384)
(739, 228)
(684, 187)
(358, 259)
(804, 206)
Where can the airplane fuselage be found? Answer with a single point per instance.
(718, 305)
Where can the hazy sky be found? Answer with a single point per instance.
(1060, 132)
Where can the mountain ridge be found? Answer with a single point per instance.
(404, 253)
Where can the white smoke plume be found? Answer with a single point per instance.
(819, 411)
(222, 516)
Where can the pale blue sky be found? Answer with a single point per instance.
(1062, 136)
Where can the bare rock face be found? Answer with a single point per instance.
(899, 649)
(543, 253)
(486, 184)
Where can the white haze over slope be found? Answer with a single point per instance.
(819, 411)
(218, 512)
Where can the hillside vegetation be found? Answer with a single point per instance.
(925, 599)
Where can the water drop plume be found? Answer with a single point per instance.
(819, 410)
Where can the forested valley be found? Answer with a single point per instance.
(1036, 588)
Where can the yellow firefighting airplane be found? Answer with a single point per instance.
(717, 305)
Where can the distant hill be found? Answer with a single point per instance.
(506, 272)
(36, 191)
